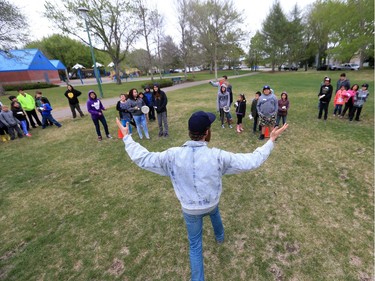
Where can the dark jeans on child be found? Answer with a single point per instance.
(74, 107)
(97, 126)
(323, 106)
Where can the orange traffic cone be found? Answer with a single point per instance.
(119, 134)
(266, 132)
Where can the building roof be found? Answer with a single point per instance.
(21, 60)
(58, 64)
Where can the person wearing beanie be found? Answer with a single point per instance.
(148, 99)
(267, 109)
(196, 172)
(359, 100)
(325, 95)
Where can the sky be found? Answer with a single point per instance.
(253, 11)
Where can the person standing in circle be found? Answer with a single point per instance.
(72, 96)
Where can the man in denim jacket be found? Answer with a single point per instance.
(196, 173)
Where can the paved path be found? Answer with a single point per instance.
(64, 113)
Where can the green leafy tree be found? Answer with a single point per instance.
(111, 24)
(213, 21)
(355, 35)
(320, 20)
(274, 31)
(256, 54)
(294, 37)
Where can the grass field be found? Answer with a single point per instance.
(75, 209)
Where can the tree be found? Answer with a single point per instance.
(354, 36)
(170, 53)
(294, 37)
(145, 16)
(256, 51)
(215, 21)
(111, 23)
(13, 29)
(274, 32)
(69, 51)
(13, 26)
(140, 58)
(320, 20)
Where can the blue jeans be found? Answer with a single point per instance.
(24, 127)
(141, 122)
(126, 120)
(194, 226)
(51, 119)
(278, 119)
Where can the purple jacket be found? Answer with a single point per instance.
(94, 106)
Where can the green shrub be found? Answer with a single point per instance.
(29, 86)
(163, 83)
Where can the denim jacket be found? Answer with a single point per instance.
(195, 169)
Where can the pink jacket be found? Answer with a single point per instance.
(339, 97)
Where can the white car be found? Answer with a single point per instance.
(348, 66)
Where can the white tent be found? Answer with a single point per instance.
(98, 64)
(77, 66)
(111, 64)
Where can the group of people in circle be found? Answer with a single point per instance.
(347, 98)
(266, 110)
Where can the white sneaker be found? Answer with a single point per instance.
(222, 126)
(230, 126)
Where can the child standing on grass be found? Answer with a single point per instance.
(38, 104)
(240, 106)
(283, 106)
(339, 100)
(18, 112)
(349, 99)
(125, 115)
(359, 100)
(267, 110)
(325, 94)
(254, 112)
(223, 101)
(46, 113)
(8, 119)
(95, 108)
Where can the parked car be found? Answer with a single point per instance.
(288, 67)
(326, 67)
(348, 66)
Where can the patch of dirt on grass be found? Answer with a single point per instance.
(277, 272)
(363, 276)
(356, 261)
(11, 253)
(240, 243)
(125, 251)
(117, 267)
(78, 265)
(344, 174)
(292, 248)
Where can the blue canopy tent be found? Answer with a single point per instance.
(26, 66)
(63, 72)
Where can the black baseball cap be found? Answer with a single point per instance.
(201, 121)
